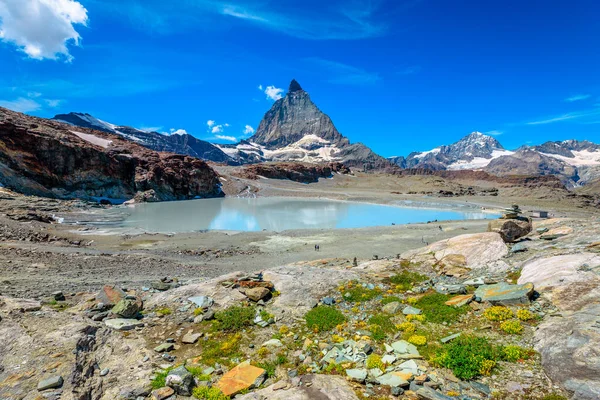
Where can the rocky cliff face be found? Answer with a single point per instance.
(530, 162)
(294, 129)
(298, 172)
(47, 158)
(177, 143)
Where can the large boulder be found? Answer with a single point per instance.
(478, 249)
(511, 229)
(322, 387)
(569, 343)
(128, 308)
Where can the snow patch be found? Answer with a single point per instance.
(479, 162)
(583, 157)
(432, 151)
(95, 140)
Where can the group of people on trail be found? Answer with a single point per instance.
(317, 247)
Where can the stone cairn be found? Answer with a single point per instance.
(512, 212)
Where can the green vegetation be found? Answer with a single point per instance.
(234, 318)
(525, 315)
(390, 299)
(163, 311)
(436, 311)
(209, 393)
(265, 316)
(160, 379)
(355, 293)
(324, 318)
(380, 326)
(405, 280)
(554, 396)
(221, 350)
(334, 369)
(198, 373)
(374, 361)
(468, 357)
(512, 326)
(498, 313)
(417, 340)
(271, 366)
(515, 353)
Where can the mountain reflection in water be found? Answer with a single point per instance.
(276, 214)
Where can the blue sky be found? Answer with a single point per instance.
(397, 75)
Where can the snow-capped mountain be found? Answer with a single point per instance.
(294, 129)
(474, 151)
(576, 162)
(176, 143)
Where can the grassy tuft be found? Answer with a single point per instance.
(324, 318)
(436, 311)
(209, 393)
(468, 357)
(234, 318)
(512, 326)
(405, 280)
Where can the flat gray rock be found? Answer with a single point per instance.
(410, 310)
(392, 380)
(505, 294)
(123, 324)
(50, 383)
(357, 375)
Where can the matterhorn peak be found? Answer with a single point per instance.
(294, 86)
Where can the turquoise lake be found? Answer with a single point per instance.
(273, 214)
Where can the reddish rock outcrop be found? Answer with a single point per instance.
(46, 158)
(298, 172)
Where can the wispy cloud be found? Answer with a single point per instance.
(40, 28)
(151, 128)
(344, 74)
(21, 104)
(410, 70)
(566, 117)
(494, 133)
(334, 20)
(578, 97)
(30, 102)
(341, 21)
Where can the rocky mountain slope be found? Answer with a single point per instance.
(176, 143)
(46, 158)
(295, 129)
(574, 162)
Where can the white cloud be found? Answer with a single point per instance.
(53, 103)
(41, 28)
(217, 129)
(248, 130)
(260, 87)
(273, 93)
(21, 104)
(578, 97)
(179, 132)
(494, 133)
(210, 123)
(228, 138)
